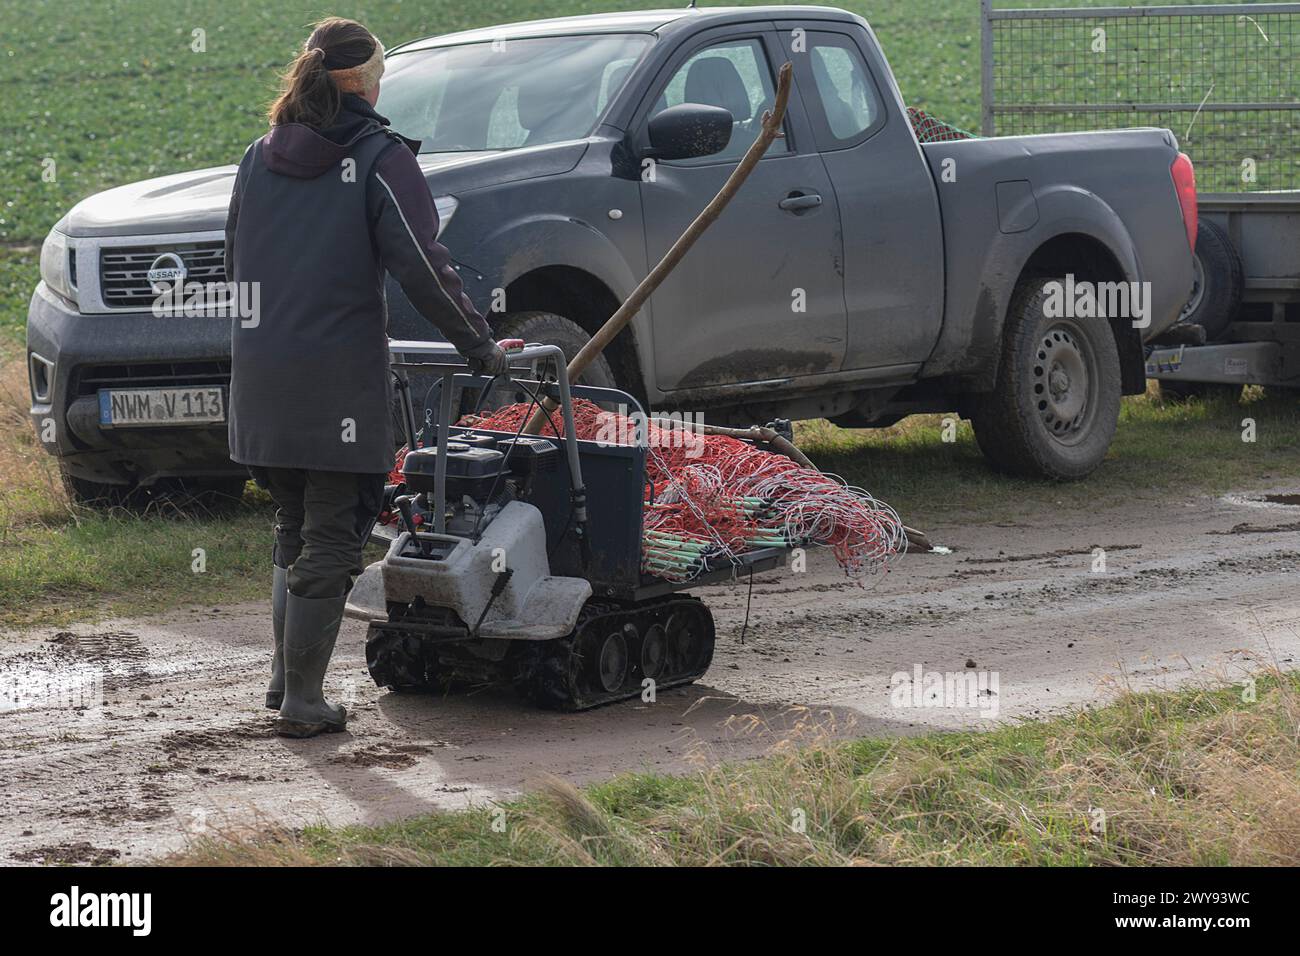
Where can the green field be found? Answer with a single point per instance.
(118, 95)
(112, 92)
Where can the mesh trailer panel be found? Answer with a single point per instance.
(1224, 77)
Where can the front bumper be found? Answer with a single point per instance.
(124, 349)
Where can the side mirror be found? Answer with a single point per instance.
(689, 130)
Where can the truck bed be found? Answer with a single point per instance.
(1113, 188)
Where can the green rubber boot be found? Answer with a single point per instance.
(311, 626)
(279, 592)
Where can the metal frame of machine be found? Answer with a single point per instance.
(534, 585)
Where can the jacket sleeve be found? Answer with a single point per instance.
(404, 223)
(232, 216)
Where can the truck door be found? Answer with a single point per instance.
(760, 297)
(893, 238)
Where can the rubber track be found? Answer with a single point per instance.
(553, 675)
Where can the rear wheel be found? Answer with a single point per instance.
(1055, 406)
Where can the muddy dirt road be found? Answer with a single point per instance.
(1206, 589)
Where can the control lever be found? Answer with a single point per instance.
(403, 503)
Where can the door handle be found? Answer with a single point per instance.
(798, 201)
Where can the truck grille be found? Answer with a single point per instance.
(122, 270)
(91, 378)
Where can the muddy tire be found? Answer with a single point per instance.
(1055, 407)
(1217, 294)
(552, 329)
(399, 662)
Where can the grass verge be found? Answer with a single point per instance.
(1194, 777)
(1162, 449)
(59, 563)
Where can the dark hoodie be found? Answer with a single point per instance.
(316, 218)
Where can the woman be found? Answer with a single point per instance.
(324, 204)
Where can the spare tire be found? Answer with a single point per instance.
(1217, 293)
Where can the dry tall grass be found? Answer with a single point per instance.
(30, 489)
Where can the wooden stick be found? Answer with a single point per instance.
(771, 131)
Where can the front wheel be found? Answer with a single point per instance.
(548, 329)
(1055, 407)
(95, 494)
(552, 329)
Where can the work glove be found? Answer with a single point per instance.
(487, 359)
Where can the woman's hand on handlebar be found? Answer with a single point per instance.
(489, 359)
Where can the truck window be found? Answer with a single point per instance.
(846, 104)
(504, 131)
(734, 75)
(525, 92)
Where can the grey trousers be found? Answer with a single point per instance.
(322, 521)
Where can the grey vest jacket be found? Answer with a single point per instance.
(310, 386)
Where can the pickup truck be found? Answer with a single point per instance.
(860, 275)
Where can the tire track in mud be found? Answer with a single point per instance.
(856, 620)
(1147, 581)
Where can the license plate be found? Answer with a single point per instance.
(161, 406)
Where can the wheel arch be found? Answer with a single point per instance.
(586, 300)
(1088, 258)
(1073, 231)
(563, 264)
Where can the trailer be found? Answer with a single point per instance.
(1224, 78)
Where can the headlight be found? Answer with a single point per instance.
(446, 206)
(54, 264)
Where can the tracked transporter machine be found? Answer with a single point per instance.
(503, 568)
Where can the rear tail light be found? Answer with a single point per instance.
(1184, 177)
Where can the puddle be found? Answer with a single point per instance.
(1272, 500)
(1292, 499)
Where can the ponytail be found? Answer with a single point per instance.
(309, 94)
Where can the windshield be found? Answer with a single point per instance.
(506, 94)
